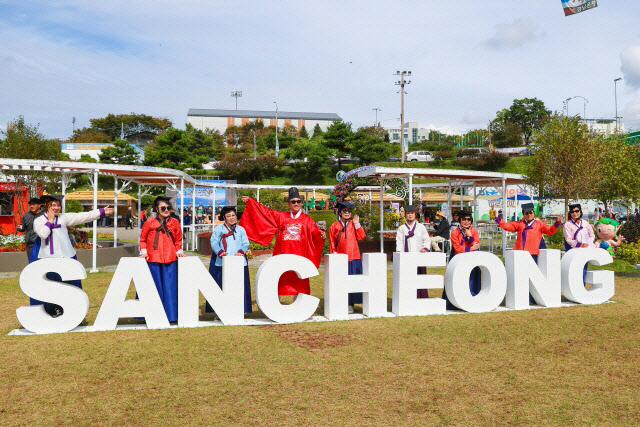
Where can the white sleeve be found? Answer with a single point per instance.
(75, 218)
(399, 240)
(40, 228)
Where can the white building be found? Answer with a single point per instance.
(412, 133)
(76, 150)
(220, 120)
(605, 126)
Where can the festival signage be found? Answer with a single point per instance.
(511, 282)
(571, 7)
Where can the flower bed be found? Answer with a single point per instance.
(13, 248)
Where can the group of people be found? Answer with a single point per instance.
(295, 233)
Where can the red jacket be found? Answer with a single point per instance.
(461, 243)
(168, 245)
(346, 242)
(530, 243)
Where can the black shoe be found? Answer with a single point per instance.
(57, 311)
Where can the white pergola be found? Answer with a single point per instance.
(451, 180)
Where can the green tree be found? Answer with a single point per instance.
(132, 124)
(529, 114)
(86, 158)
(73, 206)
(317, 131)
(316, 155)
(24, 141)
(238, 166)
(505, 134)
(368, 146)
(620, 167)
(337, 137)
(181, 149)
(566, 162)
(121, 152)
(303, 132)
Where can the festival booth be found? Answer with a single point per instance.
(13, 204)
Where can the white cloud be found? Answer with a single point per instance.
(630, 65)
(510, 36)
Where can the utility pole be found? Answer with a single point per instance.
(401, 83)
(236, 94)
(615, 94)
(277, 146)
(122, 131)
(254, 144)
(376, 122)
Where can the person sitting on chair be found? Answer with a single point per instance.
(442, 232)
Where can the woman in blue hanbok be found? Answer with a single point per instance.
(229, 239)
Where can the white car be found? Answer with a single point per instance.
(420, 156)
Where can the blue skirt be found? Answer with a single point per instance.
(355, 267)
(49, 307)
(165, 276)
(475, 284)
(216, 273)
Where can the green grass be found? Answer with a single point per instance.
(564, 366)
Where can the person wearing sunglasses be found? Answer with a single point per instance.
(465, 238)
(412, 236)
(344, 235)
(530, 230)
(296, 233)
(161, 245)
(578, 233)
(229, 239)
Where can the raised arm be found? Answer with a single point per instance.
(508, 226)
(41, 226)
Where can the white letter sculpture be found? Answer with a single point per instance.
(228, 302)
(494, 281)
(524, 276)
(406, 283)
(602, 281)
(73, 300)
(267, 289)
(338, 285)
(116, 305)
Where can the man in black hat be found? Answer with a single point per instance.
(296, 233)
(27, 225)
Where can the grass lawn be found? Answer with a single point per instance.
(564, 366)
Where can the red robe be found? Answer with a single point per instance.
(531, 243)
(167, 247)
(346, 243)
(297, 236)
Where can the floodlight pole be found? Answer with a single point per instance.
(401, 83)
(615, 94)
(236, 94)
(376, 122)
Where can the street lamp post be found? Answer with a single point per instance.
(376, 122)
(567, 104)
(615, 94)
(585, 101)
(236, 94)
(277, 146)
(401, 83)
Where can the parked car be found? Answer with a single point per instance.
(289, 162)
(514, 151)
(470, 152)
(394, 159)
(420, 156)
(343, 160)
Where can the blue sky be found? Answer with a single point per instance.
(61, 59)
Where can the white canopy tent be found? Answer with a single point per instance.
(452, 180)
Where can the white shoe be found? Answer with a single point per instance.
(350, 309)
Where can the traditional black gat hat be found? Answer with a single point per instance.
(528, 207)
(225, 210)
(35, 201)
(410, 208)
(294, 194)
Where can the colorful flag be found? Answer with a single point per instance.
(572, 7)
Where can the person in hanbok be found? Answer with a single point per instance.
(161, 246)
(229, 239)
(53, 238)
(412, 236)
(530, 231)
(296, 233)
(465, 238)
(578, 233)
(344, 235)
